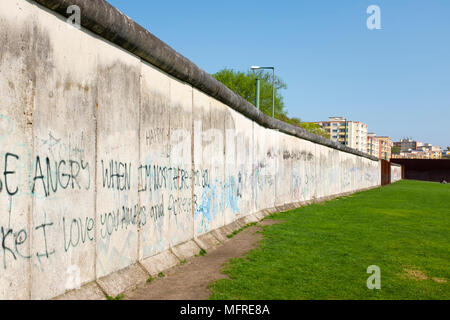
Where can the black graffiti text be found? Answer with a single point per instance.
(63, 174)
(77, 231)
(120, 219)
(117, 175)
(10, 188)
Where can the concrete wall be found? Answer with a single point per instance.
(433, 170)
(106, 160)
(396, 172)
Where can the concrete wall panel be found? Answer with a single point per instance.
(396, 173)
(181, 225)
(284, 170)
(297, 170)
(310, 159)
(118, 112)
(154, 162)
(239, 163)
(209, 161)
(264, 168)
(17, 89)
(64, 136)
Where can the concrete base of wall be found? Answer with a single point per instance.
(220, 235)
(160, 262)
(207, 242)
(251, 219)
(186, 250)
(133, 276)
(90, 291)
(123, 280)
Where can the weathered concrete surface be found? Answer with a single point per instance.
(16, 110)
(160, 262)
(207, 242)
(250, 219)
(90, 291)
(396, 172)
(108, 161)
(154, 193)
(209, 161)
(186, 250)
(220, 234)
(123, 280)
(117, 113)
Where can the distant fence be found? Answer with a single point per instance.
(425, 169)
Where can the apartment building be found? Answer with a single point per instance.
(373, 145)
(428, 147)
(406, 145)
(412, 149)
(380, 147)
(415, 154)
(349, 133)
(385, 147)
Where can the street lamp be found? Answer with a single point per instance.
(273, 86)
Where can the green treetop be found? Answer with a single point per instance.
(244, 84)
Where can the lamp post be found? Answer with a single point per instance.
(273, 86)
(257, 93)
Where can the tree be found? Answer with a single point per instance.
(315, 128)
(244, 85)
(395, 150)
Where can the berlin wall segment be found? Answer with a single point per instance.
(107, 160)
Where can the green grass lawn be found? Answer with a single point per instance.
(322, 251)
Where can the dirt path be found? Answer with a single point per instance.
(190, 281)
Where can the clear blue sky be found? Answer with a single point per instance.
(396, 80)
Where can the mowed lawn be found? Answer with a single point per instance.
(322, 251)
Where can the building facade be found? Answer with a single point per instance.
(349, 133)
(380, 147)
(373, 145)
(385, 148)
(411, 149)
(406, 145)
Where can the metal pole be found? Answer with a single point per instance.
(257, 93)
(273, 94)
